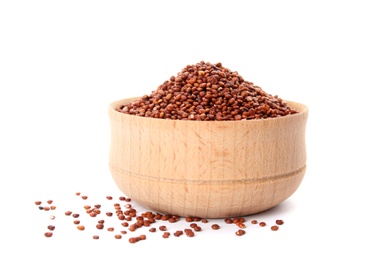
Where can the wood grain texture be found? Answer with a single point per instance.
(211, 169)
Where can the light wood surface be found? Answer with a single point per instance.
(211, 169)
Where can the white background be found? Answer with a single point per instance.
(63, 62)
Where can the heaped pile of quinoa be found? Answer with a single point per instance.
(206, 91)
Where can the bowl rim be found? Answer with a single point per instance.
(302, 111)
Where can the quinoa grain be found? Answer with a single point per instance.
(51, 227)
(215, 226)
(274, 228)
(206, 91)
(81, 228)
(240, 232)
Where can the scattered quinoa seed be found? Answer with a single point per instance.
(228, 221)
(274, 228)
(99, 226)
(125, 213)
(132, 240)
(215, 226)
(162, 228)
(240, 232)
(81, 227)
(51, 227)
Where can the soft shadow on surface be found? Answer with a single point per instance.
(281, 209)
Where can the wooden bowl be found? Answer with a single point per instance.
(209, 169)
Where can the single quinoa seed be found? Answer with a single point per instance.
(274, 228)
(279, 222)
(95, 237)
(81, 228)
(215, 226)
(51, 227)
(162, 228)
(208, 92)
(240, 232)
(197, 228)
(38, 203)
(133, 240)
(262, 224)
(48, 234)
